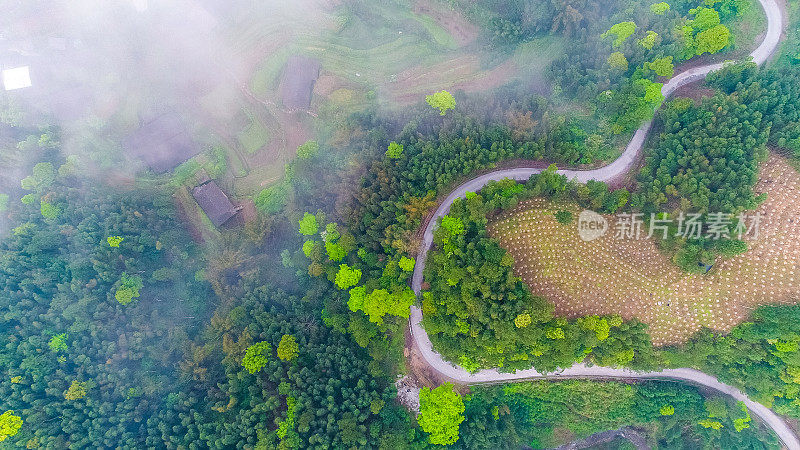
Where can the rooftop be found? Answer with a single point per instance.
(163, 143)
(214, 203)
(297, 84)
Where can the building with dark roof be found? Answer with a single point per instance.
(297, 84)
(162, 143)
(214, 203)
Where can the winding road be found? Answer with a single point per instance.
(617, 169)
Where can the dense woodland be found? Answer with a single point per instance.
(93, 284)
(478, 313)
(671, 415)
(120, 331)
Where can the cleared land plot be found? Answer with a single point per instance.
(635, 279)
(253, 138)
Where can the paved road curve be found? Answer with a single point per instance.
(612, 171)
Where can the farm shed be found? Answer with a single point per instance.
(162, 143)
(16, 78)
(297, 84)
(214, 203)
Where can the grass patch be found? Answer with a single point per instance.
(266, 78)
(254, 137)
(439, 34)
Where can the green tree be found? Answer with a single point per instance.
(442, 100)
(114, 241)
(347, 277)
(357, 297)
(332, 232)
(564, 217)
(453, 225)
(522, 320)
(659, 9)
(272, 199)
(441, 412)
(257, 356)
(3, 202)
(618, 61)
(43, 176)
(649, 41)
(395, 150)
(621, 31)
(9, 425)
(58, 343)
(335, 251)
(704, 19)
(406, 264)
(381, 302)
(308, 225)
(308, 150)
(308, 247)
(712, 40)
(49, 211)
(288, 348)
(663, 67)
(76, 391)
(128, 289)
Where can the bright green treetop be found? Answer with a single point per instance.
(743, 420)
(667, 410)
(443, 101)
(335, 251)
(406, 264)
(308, 247)
(659, 8)
(395, 150)
(58, 343)
(128, 289)
(453, 225)
(441, 411)
(43, 176)
(381, 302)
(357, 297)
(288, 348)
(308, 150)
(347, 277)
(522, 320)
(332, 232)
(712, 40)
(621, 31)
(663, 67)
(114, 241)
(649, 41)
(704, 18)
(48, 210)
(308, 225)
(76, 391)
(9, 425)
(257, 356)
